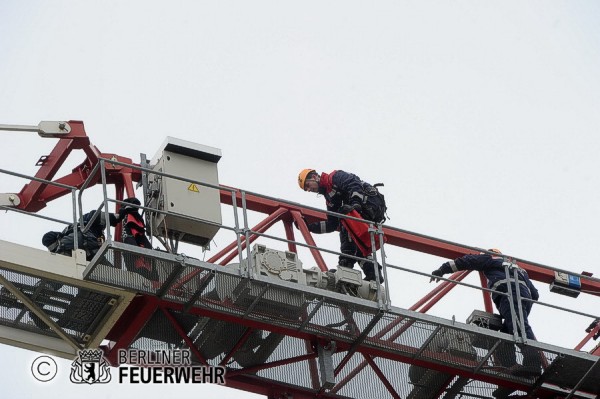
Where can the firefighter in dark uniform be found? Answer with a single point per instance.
(492, 267)
(343, 193)
(63, 242)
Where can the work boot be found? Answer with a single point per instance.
(345, 262)
(525, 371)
(369, 271)
(502, 392)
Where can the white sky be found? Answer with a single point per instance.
(480, 118)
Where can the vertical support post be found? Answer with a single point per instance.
(144, 161)
(249, 271)
(259, 228)
(487, 299)
(510, 299)
(75, 224)
(388, 303)
(326, 365)
(104, 197)
(520, 306)
(289, 234)
(312, 366)
(119, 190)
(237, 225)
(375, 265)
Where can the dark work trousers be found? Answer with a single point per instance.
(137, 264)
(348, 247)
(531, 357)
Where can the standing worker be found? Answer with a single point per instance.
(343, 193)
(492, 266)
(134, 233)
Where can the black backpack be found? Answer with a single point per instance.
(374, 207)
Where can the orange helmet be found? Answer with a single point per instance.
(495, 250)
(303, 175)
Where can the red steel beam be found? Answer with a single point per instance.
(261, 227)
(409, 240)
(589, 336)
(237, 346)
(129, 325)
(35, 195)
(436, 294)
(430, 360)
(276, 363)
(309, 240)
(184, 336)
(289, 235)
(382, 377)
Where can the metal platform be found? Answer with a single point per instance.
(45, 306)
(286, 335)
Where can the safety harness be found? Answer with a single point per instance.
(520, 275)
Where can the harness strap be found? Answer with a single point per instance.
(505, 281)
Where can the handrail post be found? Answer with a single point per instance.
(510, 301)
(237, 225)
(375, 265)
(384, 267)
(250, 272)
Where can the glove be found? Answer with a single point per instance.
(296, 223)
(436, 273)
(122, 213)
(368, 213)
(347, 208)
(592, 326)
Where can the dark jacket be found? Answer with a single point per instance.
(342, 188)
(493, 269)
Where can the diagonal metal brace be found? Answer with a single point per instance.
(38, 312)
(359, 341)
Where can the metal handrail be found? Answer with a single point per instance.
(246, 231)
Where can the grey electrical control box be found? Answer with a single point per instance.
(566, 284)
(194, 209)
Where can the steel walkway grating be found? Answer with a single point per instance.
(418, 355)
(565, 369)
(77, 311)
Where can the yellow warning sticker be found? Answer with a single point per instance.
(193, 187)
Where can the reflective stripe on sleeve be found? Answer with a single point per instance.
(453, 266)
(323, 227)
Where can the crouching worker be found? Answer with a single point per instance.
(64, 242)
(133, 233)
